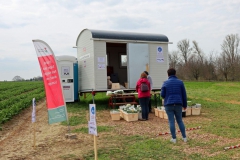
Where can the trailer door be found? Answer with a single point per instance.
(138, 59)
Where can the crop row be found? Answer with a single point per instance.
(14, 101)
(19, 90)
(4, 86)
(7, 113)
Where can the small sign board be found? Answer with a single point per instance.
(92, 128)
(92, 112)
(92, 125)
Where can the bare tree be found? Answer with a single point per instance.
(230, 52)
(223, 66)
(194, 65)
(197, 50)
(174, 59)
(184, 48)
(209, 67)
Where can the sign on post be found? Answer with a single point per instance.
(92, 125)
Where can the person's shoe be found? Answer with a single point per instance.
(173, 140)
(184, 139)
(142, 119)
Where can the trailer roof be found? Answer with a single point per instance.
(101, 34)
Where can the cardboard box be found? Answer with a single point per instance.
(115, 86)
(126, 85)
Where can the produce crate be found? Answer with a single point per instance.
(165, 116)
(160, 113)
(131, 116)
(196, 111)
(139, 115)
(121, 113)
(156, 112)
(188, 111)
(115, 116)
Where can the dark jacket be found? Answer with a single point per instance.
(174, 93)
(140, 93)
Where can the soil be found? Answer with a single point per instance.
(17, 136)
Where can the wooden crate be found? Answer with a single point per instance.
(156, 112)
(115, 116)
(196, 111)
(139, 115)
(131, 116)
(160, 113)
(165, 116)
(121, 113)
(188, 111)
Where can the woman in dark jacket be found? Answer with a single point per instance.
(143, 96)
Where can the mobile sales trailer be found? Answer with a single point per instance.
(122, 56)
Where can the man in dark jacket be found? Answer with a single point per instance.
(175, 98)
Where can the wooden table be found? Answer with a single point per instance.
(112, 102)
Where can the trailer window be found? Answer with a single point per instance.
(123, 60)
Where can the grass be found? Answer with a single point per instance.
(99, 129)
(219, 120)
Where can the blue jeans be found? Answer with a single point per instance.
(177, 112)
(144, 106)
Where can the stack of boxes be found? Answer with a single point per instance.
(191, 110)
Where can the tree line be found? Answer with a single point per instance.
(18, 78)
(192, 64)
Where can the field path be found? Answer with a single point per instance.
(16, 139)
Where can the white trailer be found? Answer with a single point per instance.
(121, 55)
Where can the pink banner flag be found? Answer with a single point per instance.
(56, 105)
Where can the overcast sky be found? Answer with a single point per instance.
(59, 22)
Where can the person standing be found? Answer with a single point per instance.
(151, 84)
(175, 98)
(143, 96)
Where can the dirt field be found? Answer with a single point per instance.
(16, 138)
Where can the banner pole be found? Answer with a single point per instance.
(34, 135)
(95, 147)
(93, 94)
(67, 117)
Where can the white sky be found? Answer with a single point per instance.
(59, 22)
